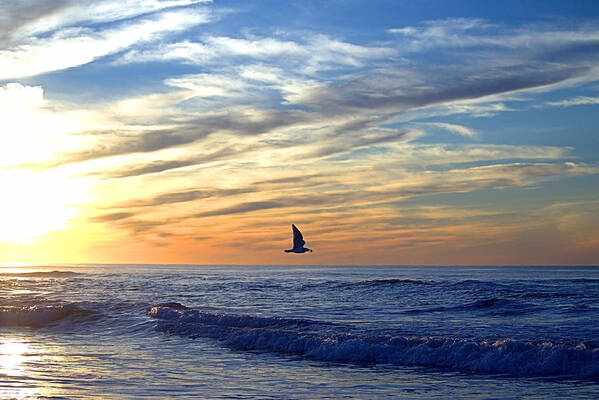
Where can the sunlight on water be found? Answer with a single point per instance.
(13, 371)
(12, 357)
(21, 367)
(14, 267)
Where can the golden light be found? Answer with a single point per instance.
(12, 357)
(31, 131)
(33, 204)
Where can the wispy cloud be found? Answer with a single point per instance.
(309, 56)
(22, 18)
(241, 208)
(113, 217)
(465, 32)
(16, 15)
(453, 128)
(188, 195)
(577, 101)
(161, 166)
(73, 46)
(458, 180)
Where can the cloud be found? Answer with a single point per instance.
(452, 181)
(240, 122)
(113, 217)
(22, 18)
(256, 48)
(139, 226)
(158, 166)
(369, 81)
(202, 238)
(576, 101)
(346, 143)
(340, 195)
(241, 208)
(188, 195)
(524, 171)
(14, 95)
(129, 142)
(376, 87)
(462, 180)
(292, 179)
(16, 14)
(263, 186)
(360, 94)
(272, 86)
(74, 46)
(469, 33)
(443, 154)
(453, 128)
(308, 56)
(328, 200)
(219, 194)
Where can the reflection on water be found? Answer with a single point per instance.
(20, 371)
(12, 358)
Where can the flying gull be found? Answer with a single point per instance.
(298, 242)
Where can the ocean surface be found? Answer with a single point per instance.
(318, 332)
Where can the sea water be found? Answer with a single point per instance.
(317, 332)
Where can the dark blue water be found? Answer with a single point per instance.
(299, 332)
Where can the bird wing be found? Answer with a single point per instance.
(298, 239)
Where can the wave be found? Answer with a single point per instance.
(177, 311)
(468, 284)
(370, 283)
(392, 282)
(38, 316)
(476, 284)
(493, 306)
(327, 342)
(550, 295)
(37, 274)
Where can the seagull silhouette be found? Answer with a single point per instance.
(298, 242)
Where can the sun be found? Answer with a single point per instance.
(35, 203)
(34, 199)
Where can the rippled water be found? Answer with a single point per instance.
(132, 331)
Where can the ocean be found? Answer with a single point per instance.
(298, 332)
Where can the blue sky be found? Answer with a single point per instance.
(429, 132)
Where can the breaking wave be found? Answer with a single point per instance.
(328, 342)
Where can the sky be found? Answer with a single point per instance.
(390, 132)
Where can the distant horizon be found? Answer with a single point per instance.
(195, 132)
(8, 265)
